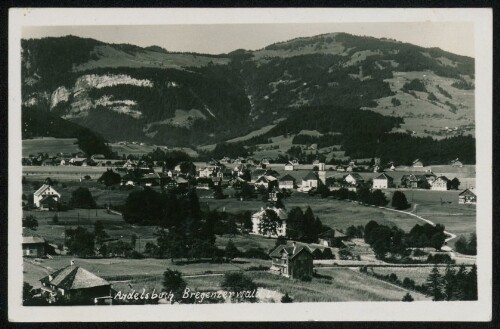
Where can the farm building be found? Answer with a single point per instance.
(467, 197)
(292, 262)
(77, 286)
(289, 166)
(310, 181)
(413, 181)
(286, 182)
(34, 246)
(353, 179)
(383, 181)
(332, 238)
(440, 184)
(266, 181)
(456, 163)
(417, 164)
(257, 219)
(44, 191)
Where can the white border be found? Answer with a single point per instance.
(480, 310)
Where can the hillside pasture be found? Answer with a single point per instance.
(49, 145)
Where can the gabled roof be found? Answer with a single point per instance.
(442, 178)
(467, 192)
(41, 190)
(289, 163)
(332, 234)
(287, 178)
(180, 180)
(384, 176)
(47, 198)
(33, 239)
(279, 211)
(416, 160)
(311, 176)
(356, 176)
(291, 251)
(74, 277)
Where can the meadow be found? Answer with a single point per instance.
(49, 145)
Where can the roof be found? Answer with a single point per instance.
(290, 250)
(311, 176)
(383, 176)
(287, 178)
(356, 176)
(467, 192)
(332, 234)
(48, 198)
(41, 190)
(180, 180)
(289, 163)
(74, 277)
(33, 239)
(417, 160)
(279, 211)
(443, 178)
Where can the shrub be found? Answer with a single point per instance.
(407, 298)
(286, 299)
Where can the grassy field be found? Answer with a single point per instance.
(418, 274)
(49, 145)
(346, 285)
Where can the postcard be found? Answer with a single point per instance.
(286, 164)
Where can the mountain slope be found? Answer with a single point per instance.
(126, 92)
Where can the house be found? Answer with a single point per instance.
(392, 167)
(292, 262)
(467, 197)
(332, 238)
(289, 166)
(417, 164)
(150, 179)
(340, 168)
(34, 246)
(44, 191)
(280, 229)
(225, 160)
(265, 161)
(310, 181)
(383, 181)
(440, 184)
(413, 181)
(456, 163)
(48, 202)
(97, 157)
(295, 162)
(353, 179)
(206, 172)
(266, 181)
(430, 177)
(286, 182)
(75, 285)
(376, 168)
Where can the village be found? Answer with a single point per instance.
(282, 227)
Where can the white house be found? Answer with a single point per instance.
(440, 184)
(417, 164)
(286, 182)
(310, 181)
(382, 181)
(266, 181)
(206, 172)
(257, 218)
(289, 166)
(353, 179)
(44, 191)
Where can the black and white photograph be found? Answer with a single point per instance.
(211, 164)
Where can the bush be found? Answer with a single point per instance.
(82, 198)
(407, 298)
(306, 278)
(399, 201)
(440, 259)
(286, 299)
(257, 253)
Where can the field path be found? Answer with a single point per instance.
(452, 236)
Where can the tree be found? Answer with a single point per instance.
(188, 168)
(470, 292)
(472, 245)
(437, 240)
(327, 254)
(174, 283)
(109, 178)
(449, 282)
(269, 223)
(80, 242)
(237, 281)
(286, 299)
(317, 254)
(231, 251)
(434, 285)
(407, 298)
(82, 198)
(99, 232)
(461, 245)
(399, 201)
(378, 198)
(30, 222)
(27, 294)
(55, 219)
(454, 184)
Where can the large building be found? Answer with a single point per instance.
(45, 192)
(292, 262)
(440, 184)
(383, 181)
(74, 285)
(259, 216)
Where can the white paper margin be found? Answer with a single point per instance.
(480, 310)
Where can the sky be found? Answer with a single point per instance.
(455, 37)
